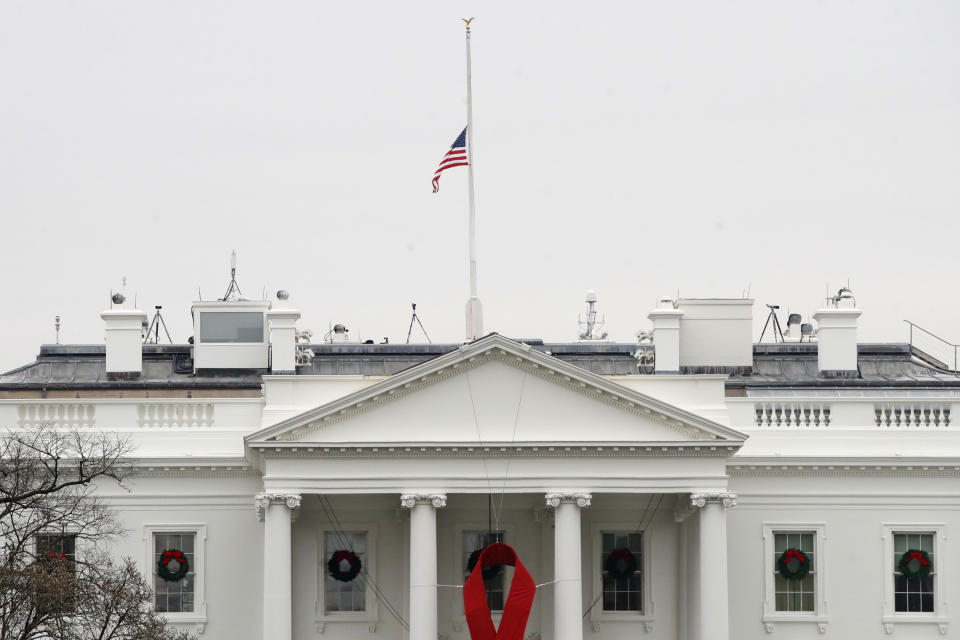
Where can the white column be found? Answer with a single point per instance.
(568, 588)
(423, 562)
(275, 510)
(713, 597)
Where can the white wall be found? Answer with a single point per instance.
(853, 510)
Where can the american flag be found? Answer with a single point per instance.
(456, 157)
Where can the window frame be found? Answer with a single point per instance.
(372, 612)
(199, 613)
(890, 615)
(820, 612)
(58, 534)
(459, 528)
(597, 614)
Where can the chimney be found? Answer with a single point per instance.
(716, 335)
(666, 336)
(124, 338)
(837, 336)
(283, 335)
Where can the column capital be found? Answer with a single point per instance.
(701, 498)
(554, 499)
(263, 500)
(410, 500)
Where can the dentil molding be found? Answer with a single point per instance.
(581, 499)
(263, 500)
(410, 500)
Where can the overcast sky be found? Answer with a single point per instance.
(636, 148)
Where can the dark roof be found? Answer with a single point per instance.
(81, 367)
(880, 365)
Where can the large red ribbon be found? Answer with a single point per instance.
(516, 610)
(793, 553)
(916, 555)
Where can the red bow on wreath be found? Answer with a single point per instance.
(61, 556)
(172, 555)
(916, 555)
(516, 610)
(793, 553)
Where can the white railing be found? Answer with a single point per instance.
(57, 414)
(859, 413)
(796, 414)
(134, 414)
(912, 415)
(173, 415)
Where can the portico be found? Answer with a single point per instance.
(573, 457)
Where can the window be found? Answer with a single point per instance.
(919, 600)
(57, 546)
(914, 596)
(345, 596)
(474, 541)
(179, 596)
(794, 601)
(619, 593)
(795, 595)
(227, 326)
(52, 550)
(181, 600)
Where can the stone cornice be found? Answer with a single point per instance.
(873, 469)
(262, 501)
(703, 449)
(410, 500)
(555, 499)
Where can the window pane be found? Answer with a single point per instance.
(226, 326)
(912, 595)
(900, 600)
(780, 542)
(344, 596)
(794, 595)
(496, 586)
(622, 593)
(178, 596)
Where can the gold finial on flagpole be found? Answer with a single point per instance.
(468, 21)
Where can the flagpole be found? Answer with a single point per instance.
(474, 309)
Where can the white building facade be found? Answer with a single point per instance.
(650, 490)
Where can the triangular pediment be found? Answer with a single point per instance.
(495, 390)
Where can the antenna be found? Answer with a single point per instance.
(416, 318)
(591, 325)
(772, 316)
(233, 289)
(152, 336)
(56, 325)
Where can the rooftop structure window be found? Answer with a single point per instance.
(231, 326)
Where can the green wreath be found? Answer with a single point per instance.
(915, 564)
(793, 564)
(489, 571)
(621, 563)
(163, 565)
(333, 566)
